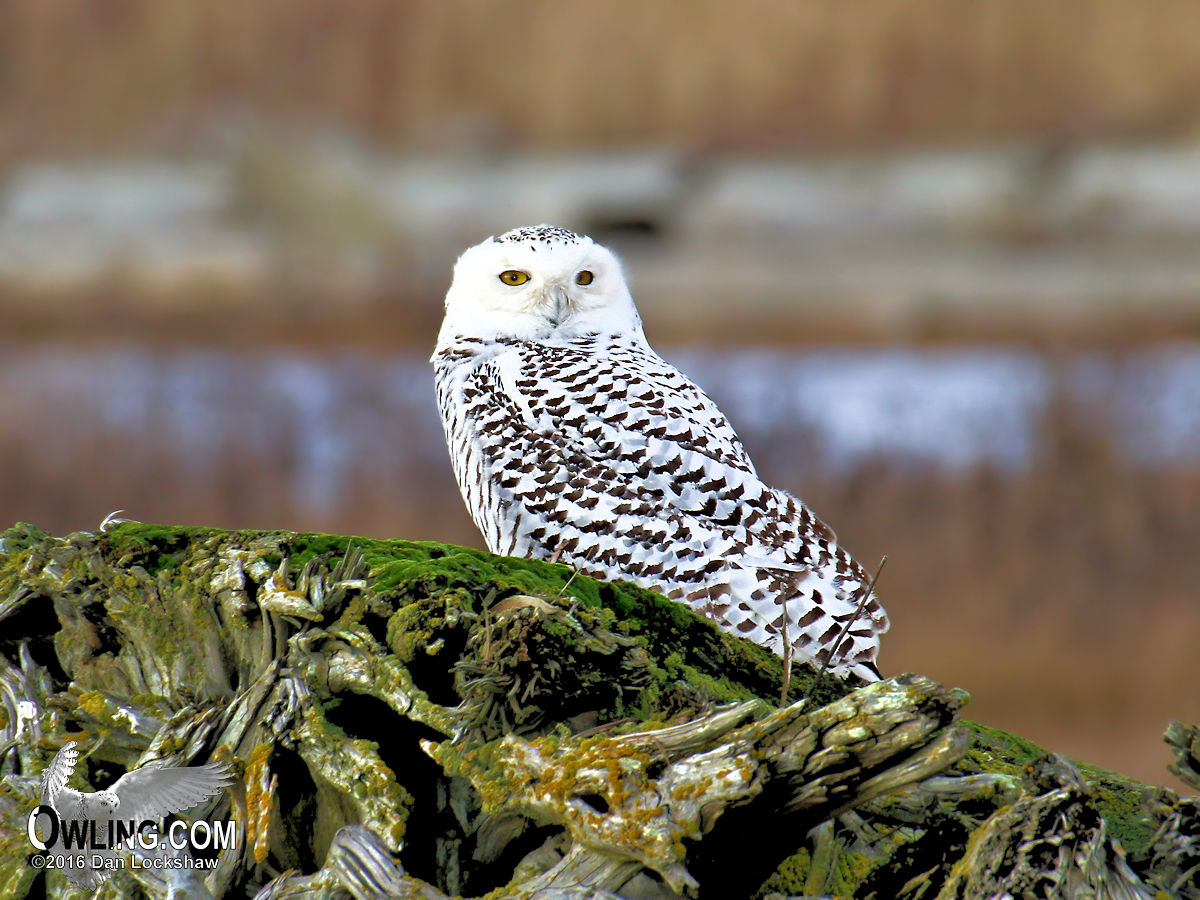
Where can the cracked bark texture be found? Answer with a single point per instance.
(418, 720)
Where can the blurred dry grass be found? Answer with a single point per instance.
(127, 75)
(1064, 598)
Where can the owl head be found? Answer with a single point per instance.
(538, 283)
(104, 802)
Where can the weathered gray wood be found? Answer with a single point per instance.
(875, 740)
(409, 701)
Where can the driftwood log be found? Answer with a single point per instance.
(417, 720)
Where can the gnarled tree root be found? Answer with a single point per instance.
(420, 721)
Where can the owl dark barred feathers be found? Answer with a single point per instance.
(571, 437)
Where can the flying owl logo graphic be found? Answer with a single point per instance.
(90, 826)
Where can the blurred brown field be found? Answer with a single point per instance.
(760, 76)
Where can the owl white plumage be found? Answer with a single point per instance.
(572, 439)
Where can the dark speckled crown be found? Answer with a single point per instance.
(547, 234)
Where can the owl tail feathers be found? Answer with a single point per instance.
(855, 662)
(854, 648)
(843, 643)
(864, 671)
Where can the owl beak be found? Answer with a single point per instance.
(559, 304)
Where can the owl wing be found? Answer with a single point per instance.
(154, 791)
(54, 779)
(617, 428)
(624, 446)
(626, 469)
(629, 389)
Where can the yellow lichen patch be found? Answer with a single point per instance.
(277, 596)
(94, 704)
(599, 788)
(261, 786)
(114, 715)
(352, 771)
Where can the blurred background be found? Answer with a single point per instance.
(939, 261)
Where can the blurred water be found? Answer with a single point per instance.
(324, 419)
(835, 410)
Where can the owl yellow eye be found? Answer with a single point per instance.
(514, 277)
(584, 277)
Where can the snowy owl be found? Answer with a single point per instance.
(571, 439)
(148, 793)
